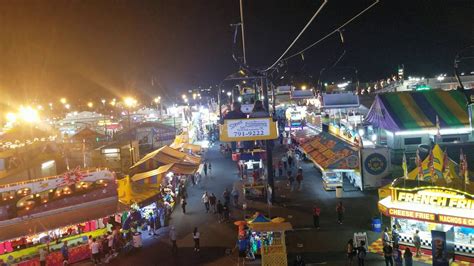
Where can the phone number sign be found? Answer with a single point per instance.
(249, 129)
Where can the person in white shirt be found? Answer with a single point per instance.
(196, 236)
(42, 256)
(205, 200)
(110, 242)
(95, 247)
(174, 248)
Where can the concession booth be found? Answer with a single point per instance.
(437, 202)
(335, 158)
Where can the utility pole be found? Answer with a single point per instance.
(243, 31)
(268, 143)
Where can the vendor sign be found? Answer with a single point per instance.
(443, 197)
(248, 129)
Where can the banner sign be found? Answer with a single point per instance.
(248, 129)
(442, 197)
(425, 216)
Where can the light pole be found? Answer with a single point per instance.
(130, 103)
(157, 101)
(105, 123)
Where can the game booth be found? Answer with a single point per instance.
(437, 202)
(251, 171)
(45, 212)
(266, 238)
(335, 158)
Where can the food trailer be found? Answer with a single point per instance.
(438, 203)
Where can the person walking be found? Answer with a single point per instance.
(387, 254)
(183, 204)
(209, 167)
(408, 257)
(172, 234)
(340, 212)
(350, 252)
(242, 245)
(395, 235)
(299, 261)
(361, 253)
(417, 243)
(43, 253)
(290, 160)
(235, 196)
(212, 202)
(151, 224)
(65, 253)
(385, 237)
(299, 179)
(284, 159)
(205, 168)
(280, 168)
(196, 236)
(95, 249)
(226, 212)
(205, 200)
(291, 180)
(226, 196)
(316, 213)
(220, 210)
(397, 255)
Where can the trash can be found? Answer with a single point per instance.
(376, 225)
(339, 192)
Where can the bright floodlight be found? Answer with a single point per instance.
(29, 114)
(11, 117)
(157, 99)
(90, 104)
(303, 87)
(63, 100)
(229, 93)
(67, 106)
(130, 102)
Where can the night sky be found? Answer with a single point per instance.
(85, 49)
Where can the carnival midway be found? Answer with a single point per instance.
(124, 139)
(272, 183)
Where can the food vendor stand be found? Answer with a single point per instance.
(267, 238)
(438, 203)
(335, 158)
(251, 171)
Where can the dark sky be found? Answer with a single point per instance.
(81, 49)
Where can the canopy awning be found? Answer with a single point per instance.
(331, 153)
(304, 134)
(166, 155)
(158, 171)
(271, 227)
(130, 193)
(400, 111)
(192, 147)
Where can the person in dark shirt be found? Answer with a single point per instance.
(235, 113)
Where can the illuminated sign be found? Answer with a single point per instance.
(412, 214)
(248, 129)
(455, 220)
(437, 197)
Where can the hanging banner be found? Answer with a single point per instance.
(248, 129)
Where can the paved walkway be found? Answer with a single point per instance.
(325, 246)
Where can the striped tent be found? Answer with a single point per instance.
(398, 111)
